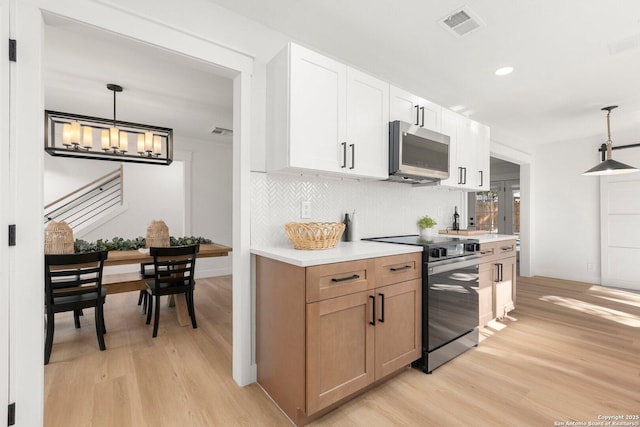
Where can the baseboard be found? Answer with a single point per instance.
(212, 272)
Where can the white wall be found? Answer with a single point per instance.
(150, 192)
(567, 211)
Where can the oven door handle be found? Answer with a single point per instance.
(457, 264)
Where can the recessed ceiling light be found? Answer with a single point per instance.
(504, 71)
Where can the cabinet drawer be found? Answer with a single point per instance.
(488, 252)
(398, 268)
(506, 249)
(342, 278)
(497, 250)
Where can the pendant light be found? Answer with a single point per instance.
(609, 166)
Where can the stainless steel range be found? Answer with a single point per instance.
(449, 296)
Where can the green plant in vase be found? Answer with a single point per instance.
(426, 224)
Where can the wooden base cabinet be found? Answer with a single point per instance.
(341, 327)
(497, 282)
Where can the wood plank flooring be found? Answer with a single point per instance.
(569, 352)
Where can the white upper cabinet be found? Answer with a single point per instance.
(469, 153)
(413, 109)
(324, 117)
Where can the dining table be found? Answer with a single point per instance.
(133, 282)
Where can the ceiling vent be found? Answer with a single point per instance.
(461, 22)
(221, 131)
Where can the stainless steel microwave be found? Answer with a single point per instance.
(417, 155)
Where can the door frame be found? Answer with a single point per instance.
(6, 211)
(26, 371)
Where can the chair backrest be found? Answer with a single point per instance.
(73, 274)
(174, 265)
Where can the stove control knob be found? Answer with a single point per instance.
(472, 247)
(443, 252)
(435, 253)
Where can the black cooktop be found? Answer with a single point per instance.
(417, 240)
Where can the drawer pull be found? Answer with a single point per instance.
(490, 251)
(342, 279)
(507, 248)
(406, 267)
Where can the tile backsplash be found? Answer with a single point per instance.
(382, 208)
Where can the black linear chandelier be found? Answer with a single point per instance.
(609, 166)
(73, 135)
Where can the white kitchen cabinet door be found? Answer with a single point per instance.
(317, 110)
(367, 142)
(450, 127)
(483, 158)
(469, 166)
(413, 109)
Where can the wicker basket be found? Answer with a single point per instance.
(157, 235)
(314, 235)
(58, 238)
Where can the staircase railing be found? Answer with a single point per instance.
(87, 202)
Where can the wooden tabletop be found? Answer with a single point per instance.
(137, 257)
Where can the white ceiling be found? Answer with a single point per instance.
(564, 68)
(571, 58)
(161, 88)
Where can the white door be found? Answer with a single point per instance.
(620, 225)
(4, 195)
(367, 125)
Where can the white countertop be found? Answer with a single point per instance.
(344, 251)
(488, 238)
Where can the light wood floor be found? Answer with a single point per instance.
(569, 352)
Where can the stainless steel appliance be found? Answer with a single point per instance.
(417, 155)
(449, 296)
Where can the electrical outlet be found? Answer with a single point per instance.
(305, 209)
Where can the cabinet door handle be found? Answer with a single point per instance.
(342, 279)
(460, 175)
(465, 175)
(373, 311)
(422, 110)
(417, 115)
(481, 179)
(344, 154)
(353, 155)
(499, 273)
(381, 319)
(405, 267)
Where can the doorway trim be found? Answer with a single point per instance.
(527, 202)
(26, 371)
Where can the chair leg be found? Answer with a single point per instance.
(156, 320)
(48, 344)
(76, 318)
(150, 308)
(145, 297)
(140, 297)
(192, 310)
(100, 325)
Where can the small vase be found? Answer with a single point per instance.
(426, 232)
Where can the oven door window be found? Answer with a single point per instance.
(452, 304)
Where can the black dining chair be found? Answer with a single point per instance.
(173, 274)
(73, 282)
